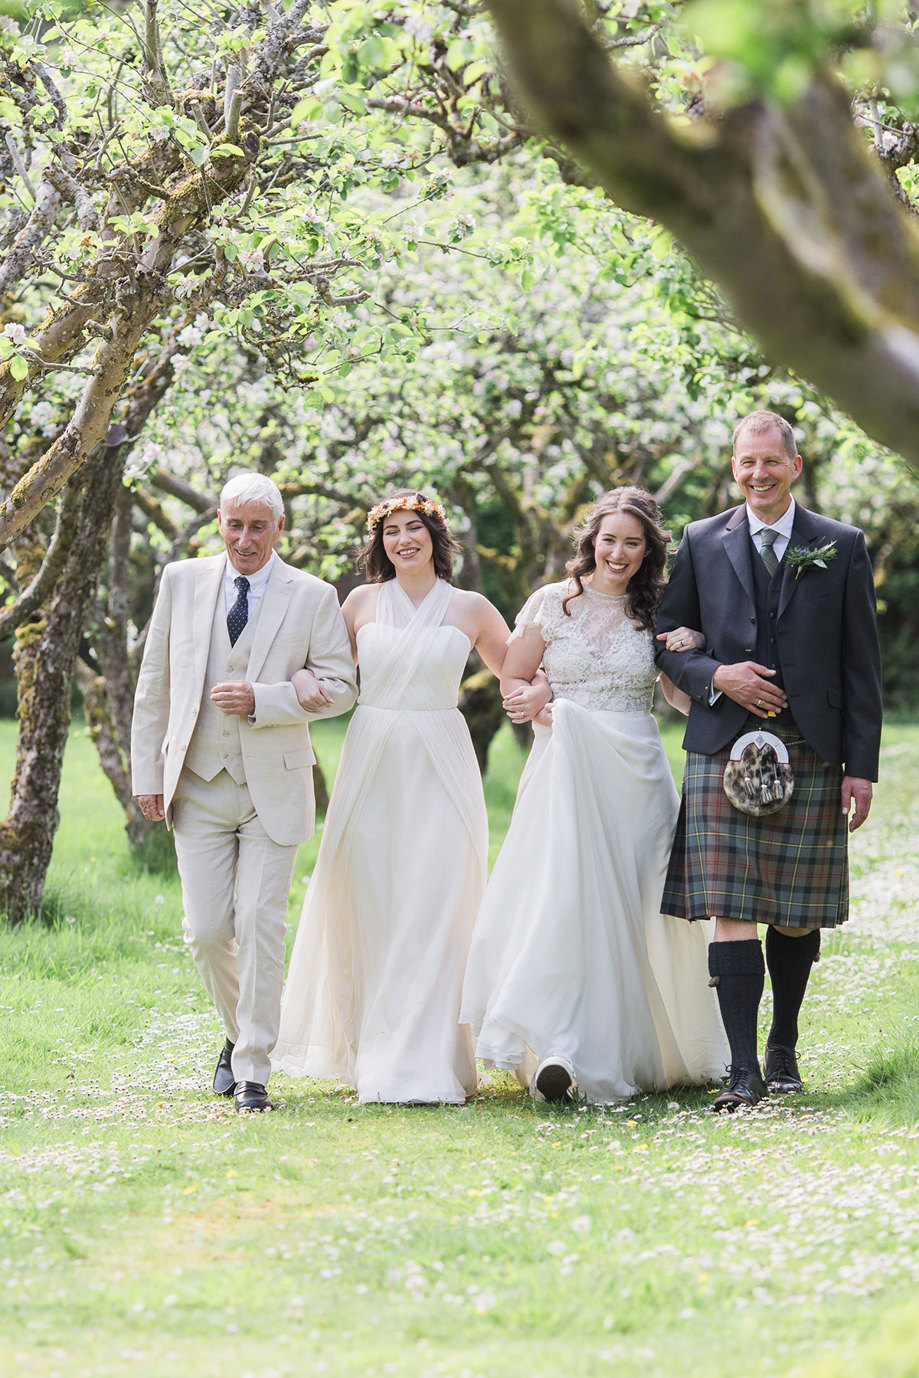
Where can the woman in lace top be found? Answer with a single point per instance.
(574, 978)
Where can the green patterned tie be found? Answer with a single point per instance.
(768, 538)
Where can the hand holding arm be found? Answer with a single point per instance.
(310, 693)
(526, 703)
(328, 658)
(521, 665)
(682, 639)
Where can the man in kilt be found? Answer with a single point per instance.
(785, 601)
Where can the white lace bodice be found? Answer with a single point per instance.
(598, 657)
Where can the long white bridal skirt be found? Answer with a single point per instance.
(372, 994)
(571, 956)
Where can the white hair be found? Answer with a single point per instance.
(251, 487)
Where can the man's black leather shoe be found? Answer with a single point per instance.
(224, 1080)
(251, 1096)
(780, 1068)
(746, 1087)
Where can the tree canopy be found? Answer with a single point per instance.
(356, 245)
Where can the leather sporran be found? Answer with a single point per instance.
(757, 778)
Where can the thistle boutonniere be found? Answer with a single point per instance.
(803, 557)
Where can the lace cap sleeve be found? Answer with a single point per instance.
(538, 611)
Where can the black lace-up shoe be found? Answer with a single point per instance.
(746, 1087)
(780, 1068)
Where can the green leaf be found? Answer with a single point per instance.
(19, 369)
(732, 28)
(352, 101)
(662, 244)
(474, 71)
(371, 52)
(307, 109)
(460, 50)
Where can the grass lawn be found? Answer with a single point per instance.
(145, 1229)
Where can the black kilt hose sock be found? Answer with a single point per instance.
(739, 973)
(789, 961)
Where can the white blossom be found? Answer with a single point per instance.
(15, 332)
(419, 28)
(256, 394)
(147, 457)
(160, 133)
(253, 261)
(189, 337)
(462, 226)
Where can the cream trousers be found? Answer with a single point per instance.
(235, 884)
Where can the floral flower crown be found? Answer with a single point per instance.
(406, 503)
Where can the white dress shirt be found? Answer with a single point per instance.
(782, 526)
(257, 583)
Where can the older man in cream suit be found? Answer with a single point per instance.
(221, 750)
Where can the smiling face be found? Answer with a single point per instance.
(619, 549)
(407, 542)
(250, 532)
(764, 472)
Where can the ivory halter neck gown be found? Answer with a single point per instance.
(372, 994)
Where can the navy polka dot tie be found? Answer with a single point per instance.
(238, 615)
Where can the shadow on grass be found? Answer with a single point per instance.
(500, 1095)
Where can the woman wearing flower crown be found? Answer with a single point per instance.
(574, 978)
(372, 994)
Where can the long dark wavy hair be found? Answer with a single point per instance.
(376, 566)
(646, 586)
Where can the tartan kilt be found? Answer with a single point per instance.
(789, 867)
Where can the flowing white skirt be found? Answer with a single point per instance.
(372, 993)
(571, 956)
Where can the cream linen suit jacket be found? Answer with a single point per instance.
(299, 624)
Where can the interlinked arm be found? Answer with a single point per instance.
(330, 661)
(696, 672)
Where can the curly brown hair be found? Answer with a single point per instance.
(376, 566)
(647, 586)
